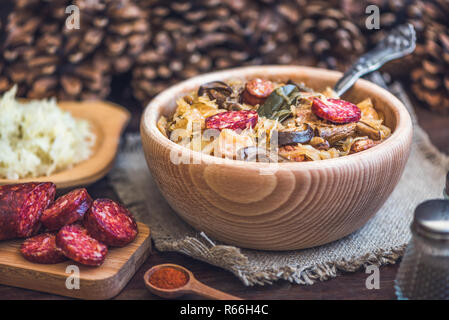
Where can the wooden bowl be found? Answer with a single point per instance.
(300, 205)
(108, 121)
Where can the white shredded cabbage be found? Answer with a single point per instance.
(193, 110)
(37, 138)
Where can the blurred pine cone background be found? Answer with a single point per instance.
(133, 49)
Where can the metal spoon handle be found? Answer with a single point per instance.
(400, 42)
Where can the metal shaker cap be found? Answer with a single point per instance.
(432, 219)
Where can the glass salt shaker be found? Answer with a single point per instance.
(424, 271)
(446, 190)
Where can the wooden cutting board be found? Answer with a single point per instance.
(102, 282)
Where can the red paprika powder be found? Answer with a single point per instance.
(168, 278)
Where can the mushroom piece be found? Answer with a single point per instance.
(319, 143)
(334, 133)
(216, 90)
(365, 129)
(301, 86)
(253, 153)
(295, 135)
(233, 106)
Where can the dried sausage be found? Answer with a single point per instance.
(257, 91)
(67, 209)
(78, 245)
(233, 120)
(110, 223)
(21, 206)
(336, 110)
(259, 88)
(37, 201)
(42, 249)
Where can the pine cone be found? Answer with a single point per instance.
(193, 38)
(327, 37)
(269, 27)
(77, 63)
(4, 81)
(116, 28)
(430, 81)
(392, 14)
(436, 11)
(18, 45)
(190, 38)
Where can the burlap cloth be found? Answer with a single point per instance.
(382, 240)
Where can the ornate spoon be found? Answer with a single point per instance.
(399, 43)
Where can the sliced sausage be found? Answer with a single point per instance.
(42, 249)
(232, 120)
(21, 206)
(67, 209)
(78, 245)
(336, 110)
(110, 223)
(257, 91)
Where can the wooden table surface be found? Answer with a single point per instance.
(345, 286)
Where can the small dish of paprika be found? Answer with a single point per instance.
(172, 281)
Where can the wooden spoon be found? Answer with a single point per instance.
(192, 286)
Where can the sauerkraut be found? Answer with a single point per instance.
(260, 117)
(37, 138)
